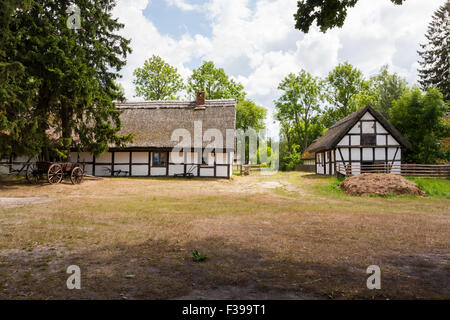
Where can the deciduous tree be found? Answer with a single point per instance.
(421, 119)
(299, 104)
(250, 115)
(327, 13)
(215, 82)
(157, 80)
(342, 84)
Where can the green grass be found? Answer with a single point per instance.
(434, 187)
(330, 186)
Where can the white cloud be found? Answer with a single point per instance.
(260, 45)
(183, 5)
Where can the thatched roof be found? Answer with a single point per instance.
(335, 133)
(152, 123)
(308, 155)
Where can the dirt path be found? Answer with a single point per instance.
(18, 202)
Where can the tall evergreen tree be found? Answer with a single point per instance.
(434, 68)
(17, 91)
(74, 73)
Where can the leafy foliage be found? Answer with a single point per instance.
(421, 119)
(72, 74)
(157, 80)
(298, 111)
(299, 104)
(250, 115)
(327, 13)
(343, 83)
(198, 257)
(435, 64)
(215, 82)
(381, 91)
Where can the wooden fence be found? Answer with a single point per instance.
(405, 169)
(246, 169)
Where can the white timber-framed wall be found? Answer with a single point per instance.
(362, 139)
(141, 163)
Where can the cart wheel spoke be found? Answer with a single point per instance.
(32, 175)
(76, 175)
(55, 174)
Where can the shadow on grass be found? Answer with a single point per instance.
(159, 269)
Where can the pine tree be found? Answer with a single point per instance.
(434, 68)
(18, 128)
(73, 72)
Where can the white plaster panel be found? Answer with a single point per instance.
(102, 171)
(345, 141)
(140, 157)
(396, 168)
(392, 141)
(176, 169)
(368, 127)
(86, 157)
(221, 158)
(193, 169)
(124, 168)
(391, 153)
(176, 157)
(121, 157)
(356, 154)
(139, 170)
(367, 154)
(158, 172)
(206, 172)
(381, 140)
(345, 154)
(88, 169)
(355, 128)
(356, 140)
(380, 154)
(367, 116)
(105, 158)
(222, 171)
(380, 128)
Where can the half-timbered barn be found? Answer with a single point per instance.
(157, 127)
(359, 142)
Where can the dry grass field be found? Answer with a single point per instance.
(285, 236)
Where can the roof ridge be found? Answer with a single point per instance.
(161, 104)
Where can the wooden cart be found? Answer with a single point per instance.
(54, 172)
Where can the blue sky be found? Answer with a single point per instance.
(175, 22)
(256, 43)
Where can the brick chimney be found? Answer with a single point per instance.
(201, 98)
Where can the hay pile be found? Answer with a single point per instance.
(380, 184)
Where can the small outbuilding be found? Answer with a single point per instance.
(357, 144)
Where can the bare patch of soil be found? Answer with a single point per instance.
(380, 184)
(18, 202)
(241, 293)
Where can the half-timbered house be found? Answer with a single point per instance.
(170, 138)
(357, 143)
